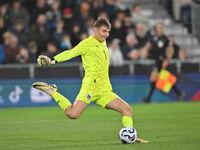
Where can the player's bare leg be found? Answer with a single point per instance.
(126, 111)
(120, 106)
(73, 111)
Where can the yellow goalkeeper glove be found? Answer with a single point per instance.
(45, 61)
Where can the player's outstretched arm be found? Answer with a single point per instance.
(45, 61)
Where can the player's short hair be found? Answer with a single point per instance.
(101, 21)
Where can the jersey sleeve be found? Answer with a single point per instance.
(69, 54)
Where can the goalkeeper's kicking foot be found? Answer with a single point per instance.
(47, 88)
(142, 141)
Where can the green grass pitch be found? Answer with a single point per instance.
(169, 126)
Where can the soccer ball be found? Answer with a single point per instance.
(128, 135)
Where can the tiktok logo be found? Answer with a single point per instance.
(14, 96)
(38, 96)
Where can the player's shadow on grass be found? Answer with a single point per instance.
(73, 143)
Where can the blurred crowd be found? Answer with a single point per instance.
(180, 11)
(29, 28)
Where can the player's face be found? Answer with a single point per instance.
(102, 33)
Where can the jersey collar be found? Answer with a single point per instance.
(98, 42)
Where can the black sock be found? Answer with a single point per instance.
(176, 90)
(152, 88)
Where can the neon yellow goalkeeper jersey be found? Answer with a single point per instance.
(95, 59)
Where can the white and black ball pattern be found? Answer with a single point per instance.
(128, 135)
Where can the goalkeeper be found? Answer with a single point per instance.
(96, 86)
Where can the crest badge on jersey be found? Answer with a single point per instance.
(89, 96)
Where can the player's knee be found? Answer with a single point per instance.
(127, 110)
(130, 110)
(72, 115)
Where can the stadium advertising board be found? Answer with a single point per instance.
(132, 89)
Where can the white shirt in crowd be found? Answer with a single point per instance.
(116, 57)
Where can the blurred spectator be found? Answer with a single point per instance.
(68, 19)
(89, 26)
(97, 7)
(130, 48)
(55, 9)
(121, 5)
(103, 14)
(11, 47)
(117, 31)
(40, 8)
(186, 16)
(21, 32)
(59, 31)
(168, 5)
(40, 33)
(53, 15)
(18, 12)
(23, 56)
(180, 11)
(128, 25)
(50, 22)
(2, 54)
(29, 5)
(137, 16)
(67, 22)
(175, 51)
(68, 4)
(177, 4)
(109, 7)
(83, 14)
(75, 34)
(52, 49)
(5, 14)
(116, 57)
(33, 51)
(120, 15)
(3, 29)
(141, 34)
(65, 42)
